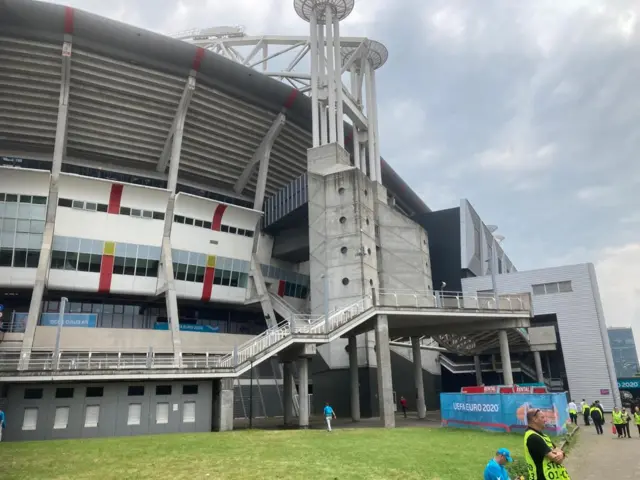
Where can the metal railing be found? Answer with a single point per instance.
(252, 350)
(453, 300)
(12, 325)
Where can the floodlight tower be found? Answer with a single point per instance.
(326, 66)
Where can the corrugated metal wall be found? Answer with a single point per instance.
(581, 324)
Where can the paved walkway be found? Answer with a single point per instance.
(597, 457)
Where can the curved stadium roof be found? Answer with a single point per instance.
(125, 87)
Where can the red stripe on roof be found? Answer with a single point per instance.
(68, 20)
(197, 60)
(291, 98)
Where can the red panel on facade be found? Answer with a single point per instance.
(291, 98)
(68, 20)
(197, 60)
(281, 288)
(115, 197)
(207, 285)
(217, 217)
(106, 273)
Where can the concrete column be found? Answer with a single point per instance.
(505, 357)
(538, 361)
(418, 378)
(476, 361)
(303, 392)
(287, 394)
(354, 378)
(385, 382)
(223, 405)
(59, 148)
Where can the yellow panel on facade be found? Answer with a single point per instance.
(211, 261)
(109, 248)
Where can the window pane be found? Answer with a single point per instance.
(77, 204)
(129, 266)
(118, 265)
(6, 257)
(234, 279)
(83, 262)
(30, 419)
(57, 260)
(162, 413)
(23, 226)
(20, 258)
(152, 268)
(70, 261)
(101, 207)
(94, 264)
(551, 287)
(38, 212)
(226, 277)
(141, 267)
(61, 419)
(33, 257)
(91, 416)
(538, 289)
(565, 287)
(35, 241)
(135, 412)
(189, 412)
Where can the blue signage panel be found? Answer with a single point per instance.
(629, 383)
(187, 327)
(503, 412)
(85, 320)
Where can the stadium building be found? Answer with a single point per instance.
(185, 240)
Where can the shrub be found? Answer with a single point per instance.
(518, 470)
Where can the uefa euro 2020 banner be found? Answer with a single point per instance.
(503, 412)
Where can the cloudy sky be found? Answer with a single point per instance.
(529, 109)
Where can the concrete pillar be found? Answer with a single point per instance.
(505, 357)
(476, 361)
(421, 407)
(287, 394)
(538, 361)
(223, 405)
(385, 382)
(354, 378)
(303, 392)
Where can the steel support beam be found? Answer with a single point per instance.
(183, 107)
(60, 145)
(261, 156)
(167, 256)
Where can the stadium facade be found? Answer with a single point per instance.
(181, 235)
(623, 348)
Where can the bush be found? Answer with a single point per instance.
(518, 470)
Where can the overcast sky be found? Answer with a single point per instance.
(530, 109)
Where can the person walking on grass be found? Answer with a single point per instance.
(329, 414)
(403, 405)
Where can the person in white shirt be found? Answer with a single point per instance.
(573, 412)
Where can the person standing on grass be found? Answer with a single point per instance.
(3, 424)
(403, 405)
(598, 419)
(328, 415)
(495, 468)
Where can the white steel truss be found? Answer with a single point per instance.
(290, 59)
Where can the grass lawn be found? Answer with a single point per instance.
(365, 453)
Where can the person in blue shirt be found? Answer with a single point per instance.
(328, 415)
(3, 425)
(495, 468)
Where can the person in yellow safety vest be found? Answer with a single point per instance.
(573, 412)
(618, 421)
(544, 459)
(598, 418)
(585, 412)
(636, 416)
(626, 418)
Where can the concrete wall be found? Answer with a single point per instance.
(581, 324)
(404, 262)
(111, 339)
(113, 406)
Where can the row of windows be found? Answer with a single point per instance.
(96, 392)
(92, 415)
(19, 258)
(208, 225)
(103, 207)
(123, 178)
(277, 273)
(553, 287)
(15, 198)
(22, 221)
(295, 290)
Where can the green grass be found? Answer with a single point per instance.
(366, 453)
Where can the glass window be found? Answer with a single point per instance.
(11, 210)
(188, 221)
(162, 413)
(189, 389)
(197, 223)
(30, 419)
(147, 214)
(226, 277)
(154, 253)
(135, 390)
(136, 213)
(189, 412)
(134, 414)
(38, 200)
(25, 198)
(158, 216)
(191, 273)
(125, 211)
(181, 271)
(57, 260)
(91, 416)
(37, 226)
(163, 389)
(224, 228)
(95, 262)
(233, 230)
(248, 233)
(101, 207)
(73, 244)
(20, 258)
(38, 212)
(551, 287)
(61, 420)
(6, 257)
(178, 219)
(565, 287)
(243, 280)
(199, 274)
(538, 289)
(33, 258)
(129, 266)
(77, 204)
(234, 279)
(35, 241)
(64, 392)
(217, 276)
(141, 267)
(65, 202)
(91, 206)
(84, 260)
(152, 268)
(23, 226)
(206, 225)
(118, 265)
(32, 393)
(70, 261)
